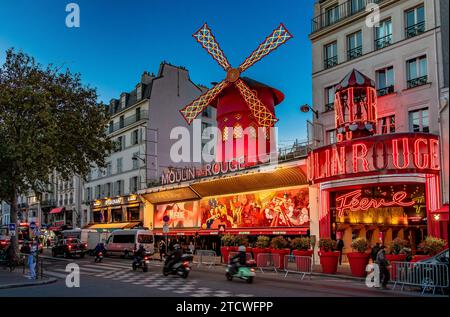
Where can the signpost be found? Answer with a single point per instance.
(12, 229)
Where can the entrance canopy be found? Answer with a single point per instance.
(102, 227)
(56, 210)
(240, 231)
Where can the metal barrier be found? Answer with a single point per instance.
(268, 261)
(234, 253)
(206, 257)
(298, 264)
(427, 276)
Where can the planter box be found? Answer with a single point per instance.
(302, 252)
(282, 253)
(395, 258)
(225, 251)
(329, 261)
(256, 251)
(420, 257)
(358, 262)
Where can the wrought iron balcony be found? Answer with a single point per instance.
(330, 62)
(339, 13)
(383, 42)
(127, 121)
(416, 82)
(415, 29)
(329, 107)
(354, 53)
(385, 91)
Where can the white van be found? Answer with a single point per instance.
(125, 242)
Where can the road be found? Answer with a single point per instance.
(114, 277)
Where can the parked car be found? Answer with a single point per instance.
(69, 247)
(125, 242)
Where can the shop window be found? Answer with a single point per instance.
(116, 215)
(133, 214)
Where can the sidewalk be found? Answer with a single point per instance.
(18, 279)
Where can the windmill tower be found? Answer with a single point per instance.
(244, 106)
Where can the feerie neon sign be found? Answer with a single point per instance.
(354, 202)
(400, 152)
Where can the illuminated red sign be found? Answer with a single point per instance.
(354, 202)
(394, 153)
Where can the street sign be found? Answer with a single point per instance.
(221, 228)
(166, 228)
(32, 225)
(12, 227)
(166, 218)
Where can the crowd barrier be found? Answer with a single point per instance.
(268, 261)
(427, 276)
(206, 257)
(298, 264)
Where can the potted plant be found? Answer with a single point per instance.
(242, 240)
(302, 247)
(429, 247)
(360, 258)
(328, 256)
(395, 248)
(262, 244)
(227, 242)
(279, 246)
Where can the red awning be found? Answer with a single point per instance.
(241, 231)
(56, 210)
(54, 228)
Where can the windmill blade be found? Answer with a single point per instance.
(263, 116)
(192, 110)
(205, 37)
(279, 36)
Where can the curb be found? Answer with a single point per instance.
(47, 281)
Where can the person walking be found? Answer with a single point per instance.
(340, 247)
(162, 249)
(32, 261)
(191, 247)
(383, 264)
(374, 252)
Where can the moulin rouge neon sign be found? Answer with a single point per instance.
(354, 202)
(402, 152)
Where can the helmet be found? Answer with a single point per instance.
(241, 248)
(176, 246)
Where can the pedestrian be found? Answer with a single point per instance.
(374, 252)
(32, 261)
(340, 247)
(383, 264)
(162, 249)
(191, 247)
(25, 249)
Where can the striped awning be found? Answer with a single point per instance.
(112, 226)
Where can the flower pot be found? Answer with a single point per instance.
(225, 251)
(234, 248)
(395, 258)
(279, 261)
(329, 261)
(358, 262)
(302, 252)
(257, 251)
(420, 257)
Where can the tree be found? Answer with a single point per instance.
(49, 121)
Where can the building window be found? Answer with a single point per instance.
(138, 114)
(135, 161)
(330, 52)
(206, 112)
(416, 71)
(139, 92)
(134, 184)
(97, 192)
(415, 21)
(121, 122)
(133, 214)
(329, 98)
(354, 45)
(356, 6)
(331, 15)
(383, 34)
(123, 100)
(385, 81)
(111, 126)
(418, 121)
(108, 169)
(386, 125)
(119, 165)
(118, 188)
(71, 198)
(331, 136)
(116, 215)
(120, 143)
(99, 173)
(108, 191)
(135, 137)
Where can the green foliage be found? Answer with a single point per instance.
(432, 245)
(396, 245)
(240, 240)
(360, 245)
(301, 243)
(327, 245)
(228, 240)
(262, 242)
(279, 243)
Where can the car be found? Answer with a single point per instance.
(69, 247)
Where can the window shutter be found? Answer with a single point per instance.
(122, 187)
(130, 185)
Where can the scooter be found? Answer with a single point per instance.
(143, 263)
(181, 268)
(244, 273)
(98, 257)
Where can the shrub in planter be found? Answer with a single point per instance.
(328, 257)
(227, 242)
(432, 246)
(279, 246)
(240, 240)
(358, 260)
(262, 246)
(301, 246)
(397, 245)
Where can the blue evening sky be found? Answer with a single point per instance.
(119, 39)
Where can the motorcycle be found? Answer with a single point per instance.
(98, 257)
(181, 267)
(141, 263)
(246, 273)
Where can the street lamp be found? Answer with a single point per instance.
(305, 108)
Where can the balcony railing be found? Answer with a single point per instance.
(339, 13)
(416, 82)
(383, 42)
(354, 53)
(385, 91)
(48, 203)
(415, 29)
(330, 62)
(127, 121)
(329, 107)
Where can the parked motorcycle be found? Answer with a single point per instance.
(98, 257)
(182, 267)
(141, 263)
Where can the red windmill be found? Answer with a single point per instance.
(242, 104)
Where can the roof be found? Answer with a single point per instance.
(355, 79)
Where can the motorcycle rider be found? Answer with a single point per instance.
(175, 256)
(238, 260)
(140, 254)
(100, 247)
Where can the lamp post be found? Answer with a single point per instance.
(305, 108)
